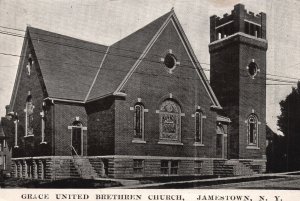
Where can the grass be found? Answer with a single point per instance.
(64, 183)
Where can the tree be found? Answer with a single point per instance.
(289, 124)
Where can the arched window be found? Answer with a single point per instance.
(170, 121)
(252, 129)
(198, 126)
(29, 116)
(139, 121)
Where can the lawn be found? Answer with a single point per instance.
(64, 183)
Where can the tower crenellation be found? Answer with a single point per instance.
(240, 20)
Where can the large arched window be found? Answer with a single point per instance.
(170, 121)
(139, 121)
(252, 124)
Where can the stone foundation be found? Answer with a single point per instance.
(62, 167)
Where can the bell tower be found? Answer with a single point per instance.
(237, 49)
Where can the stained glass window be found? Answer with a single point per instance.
(29, 116)
(170, 121)
(138, 121)
(199, 126)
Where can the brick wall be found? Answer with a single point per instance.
(153, 84)
(252, 96)
(101, 127)
(238, 93)
(65, 115)
(29, 146)
(224, 80)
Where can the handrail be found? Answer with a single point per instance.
(79, 168)
(74, 150)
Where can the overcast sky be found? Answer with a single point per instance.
(107, 21)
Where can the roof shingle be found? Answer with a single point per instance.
(122, 56)
(68, 65)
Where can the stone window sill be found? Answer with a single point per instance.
(28, 136)
(138, 141)
(252, 147)
(198, 144)
(170, 143)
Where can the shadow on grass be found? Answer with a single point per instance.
(64, 183)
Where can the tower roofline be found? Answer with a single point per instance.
(239, 20)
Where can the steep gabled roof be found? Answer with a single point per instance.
(122, 56)
(77, 70)
(68, 65)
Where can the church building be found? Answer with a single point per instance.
(141, 107)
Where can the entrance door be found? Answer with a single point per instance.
(220, 146)
(77, 141)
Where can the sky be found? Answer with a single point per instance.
(107, 21)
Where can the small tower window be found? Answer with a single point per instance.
(252, 69)
(252, 129)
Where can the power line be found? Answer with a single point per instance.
(135, 58)
(178, 77)
(8, 66)
(97, 51)
(59, 37)
(18, 35)
(16, 29)
(12, 28)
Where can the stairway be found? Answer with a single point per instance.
(255, 167)
(239, 168)
(98, 166)
(84, 168)
(65, 169)
(221, 169)
(227, 168)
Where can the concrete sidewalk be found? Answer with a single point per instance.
(208, 182)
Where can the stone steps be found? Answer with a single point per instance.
(231, 168)
(67, 170)
(84, 168)
(98, 166)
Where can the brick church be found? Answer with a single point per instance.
(143, 106)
